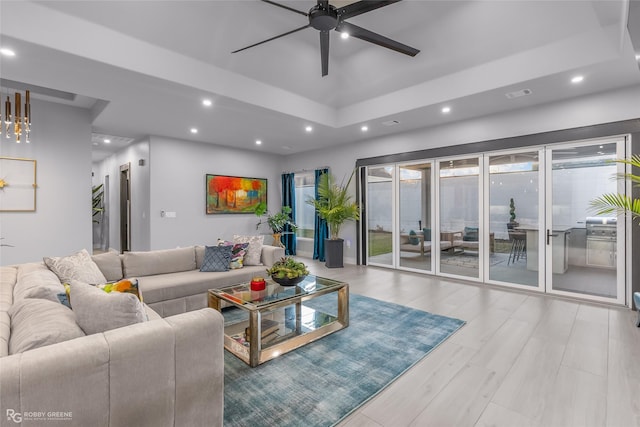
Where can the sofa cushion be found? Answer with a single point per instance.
(109, 264)
(136, 264)
(164, 287)
(78, 266)
(254, 250)
(98, 311)
(199, 256)
(36, 281)
(39, 322)
(216, 258)
(470, 234)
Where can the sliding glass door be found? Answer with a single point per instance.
(380, 215)
(460, 235)
(518, 218)
(414, 203)
(582, 248)
(514, 218)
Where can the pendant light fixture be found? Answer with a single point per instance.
(21, 122)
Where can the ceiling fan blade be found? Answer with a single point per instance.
(360, 7)
(272, 38)
(286, 7)
(371, 37)
(324, 52)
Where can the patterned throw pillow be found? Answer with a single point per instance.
(129, 286)
(78, 266)
(216, 258)
(254, 251)
(238, 252)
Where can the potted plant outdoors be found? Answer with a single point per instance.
(620, 203)
(512, 215)
(276, 222)
(334, 204)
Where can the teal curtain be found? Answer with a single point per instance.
(289, 199)
(321, 229)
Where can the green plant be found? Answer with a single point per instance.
(334, 203)
(512, 210)
(287, 268)
(276, 222)
(97, 196)
(620, 203)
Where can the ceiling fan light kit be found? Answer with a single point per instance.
(325, 17)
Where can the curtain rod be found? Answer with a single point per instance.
(307, 170)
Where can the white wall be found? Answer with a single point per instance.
(178, 170)
(61, 224)
(584, 111)
(140, 194)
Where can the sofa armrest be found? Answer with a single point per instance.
(163, 372)
(271, 254)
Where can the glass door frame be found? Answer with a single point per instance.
(541, 217)
(432, 208)
(621, 241)
(394, 226)
(437, 220)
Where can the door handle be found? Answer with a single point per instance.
(549, 236)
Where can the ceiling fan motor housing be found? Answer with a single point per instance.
(323, 19)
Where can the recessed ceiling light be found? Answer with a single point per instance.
(258, 142)
(194, 130)
(207, 102)
(308, 128)
(344, 35)
(364, 128)
(446, 110)
(577, 79)
(7, 52)
(106, 141)
(637, 56)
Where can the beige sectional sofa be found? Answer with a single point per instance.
(167, 371)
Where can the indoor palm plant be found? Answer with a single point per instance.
(620, 203)
(334, 204)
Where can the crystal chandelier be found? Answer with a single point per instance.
(20, 121)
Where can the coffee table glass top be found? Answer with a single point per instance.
(243, 295)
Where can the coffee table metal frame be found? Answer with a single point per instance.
(241, 296)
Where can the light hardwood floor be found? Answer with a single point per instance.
(522, 359)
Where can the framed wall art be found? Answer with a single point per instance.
(234, 194)
(17, 185)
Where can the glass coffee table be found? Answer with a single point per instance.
(278, 319)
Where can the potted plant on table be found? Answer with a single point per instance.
(288, 271)
(334, 204)
(276, 222)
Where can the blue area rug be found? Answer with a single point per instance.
(323, 382)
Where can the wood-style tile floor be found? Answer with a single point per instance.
(522, 359)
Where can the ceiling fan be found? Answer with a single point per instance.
(326, 17)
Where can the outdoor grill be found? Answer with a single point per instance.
(601, 241)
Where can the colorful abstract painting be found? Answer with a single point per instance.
(234, 194)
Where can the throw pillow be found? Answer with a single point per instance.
(39, 322)
(125, 285)
(63, 297)
(254, 250)
(238, 252)
(470, 234)
(413, 238)
(78, 266)
(98, 311)
(216, 258)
